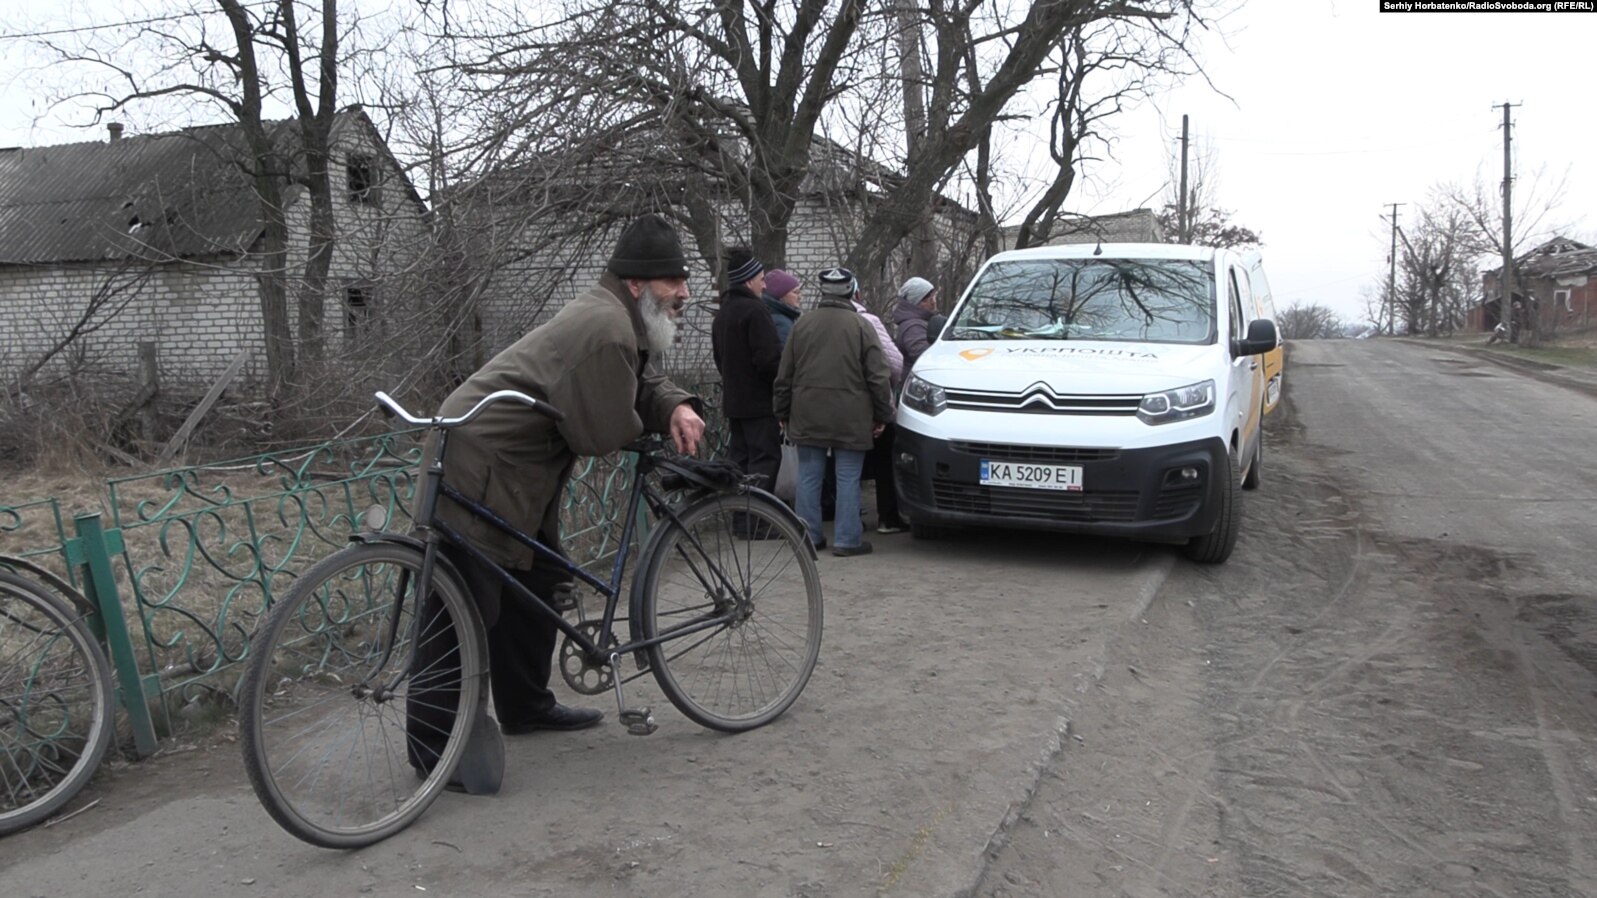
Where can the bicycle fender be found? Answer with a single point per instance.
(49, 578)
(368, 537)
(788, 512)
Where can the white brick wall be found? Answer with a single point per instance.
(202, 313)
(529, 290)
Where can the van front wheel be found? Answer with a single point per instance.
(1215, 546)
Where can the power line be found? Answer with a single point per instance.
(82, 29)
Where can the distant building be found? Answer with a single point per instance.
(1133, 226)
(161, 233)
(1558, 278)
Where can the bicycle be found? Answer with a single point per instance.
(56, 706)
(724, 611)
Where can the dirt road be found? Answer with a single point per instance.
(1392, 687)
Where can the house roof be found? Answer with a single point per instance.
(617, 172)
(1559, 257)
(181, 194)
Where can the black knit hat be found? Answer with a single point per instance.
(649, 248)
(742, 266)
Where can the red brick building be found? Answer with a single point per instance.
(1559, 277)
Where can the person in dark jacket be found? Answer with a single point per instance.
(591, 361)
(912, 314)
(833, 395)
(747, 353)
(782, 298)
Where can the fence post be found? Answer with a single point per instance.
(94, 547)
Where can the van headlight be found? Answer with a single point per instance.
(1191, 401)
(923, 396)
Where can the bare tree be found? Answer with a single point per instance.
(113, 293)
(738, 96)
(1208, 224)
(1438, 277)
(1103, 67)
(267, 53)
(1535, 202)
(1309, 322)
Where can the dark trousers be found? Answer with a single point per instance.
(521, 643)
(879, 467)
(756, 446)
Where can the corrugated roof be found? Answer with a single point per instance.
(1559, 257)
(160, 196)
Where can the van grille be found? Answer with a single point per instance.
(1059, 455)
(1039, 398)
(1051, 505)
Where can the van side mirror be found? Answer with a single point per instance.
(1262, 337)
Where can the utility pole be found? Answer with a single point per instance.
(1182, 213)
(1391, 278)
(1505, 310)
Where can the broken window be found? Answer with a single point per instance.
(1562, 300)
(360, 176)
(357, 312)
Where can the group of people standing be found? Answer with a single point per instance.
(826, 378)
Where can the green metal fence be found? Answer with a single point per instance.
(190, 560)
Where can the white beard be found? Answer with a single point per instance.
(658, 325)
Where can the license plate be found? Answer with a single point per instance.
(1037, 477)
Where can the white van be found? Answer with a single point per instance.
(1114, 389)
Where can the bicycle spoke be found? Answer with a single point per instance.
(335, 764)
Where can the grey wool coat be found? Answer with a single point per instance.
(833, 384)
(591, 362)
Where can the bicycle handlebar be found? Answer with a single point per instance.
(391, 408)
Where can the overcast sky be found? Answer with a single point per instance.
(1336, 110)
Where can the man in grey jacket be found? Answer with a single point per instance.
(833, 395)
(592, 362)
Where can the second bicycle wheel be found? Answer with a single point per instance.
(354, 713)
(55, 703)
(741, 560)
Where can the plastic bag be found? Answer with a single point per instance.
(786, 486)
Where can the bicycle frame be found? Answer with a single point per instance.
(641, 492)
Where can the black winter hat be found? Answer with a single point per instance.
(742, 266)
(649, 248)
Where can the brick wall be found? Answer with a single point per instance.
(201, 313)
(539, 279)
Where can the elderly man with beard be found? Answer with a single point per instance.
(591, 361)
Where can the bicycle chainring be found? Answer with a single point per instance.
(582, 675)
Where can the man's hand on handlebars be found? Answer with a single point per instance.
(687, 429)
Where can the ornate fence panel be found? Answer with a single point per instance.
(207, 550)
(197, 556)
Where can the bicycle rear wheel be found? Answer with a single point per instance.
(740, 558)
(353, 713)
(55, 703)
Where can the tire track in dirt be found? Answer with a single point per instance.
(1336, 712)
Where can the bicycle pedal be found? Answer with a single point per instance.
(639, 721)
(563, 598)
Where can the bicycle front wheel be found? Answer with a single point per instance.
(55, 703)
(740, 561)
(359, 695)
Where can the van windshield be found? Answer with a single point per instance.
(1130, 300)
